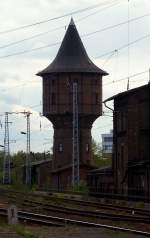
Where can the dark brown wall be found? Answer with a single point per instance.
(41, 174)
(131, 133)
(101, 182)
(57, 93)
(57, 107)
(62, 180)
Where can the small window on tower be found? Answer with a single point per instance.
(53, 97)
(87, 147)
(53, 82)
(96, 98)
(60, 147)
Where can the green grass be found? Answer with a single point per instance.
(19, 229)
(102, 162)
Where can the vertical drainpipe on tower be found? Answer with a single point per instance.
(114, 140)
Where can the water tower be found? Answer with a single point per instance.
(72, 101)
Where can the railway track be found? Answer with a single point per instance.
(97, 205)
(102, 210)
(57, 221)
(100, 205)
(101, 214)
(88, 214)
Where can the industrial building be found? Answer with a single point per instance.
(107, 144)
(72, 101)
(131, 144)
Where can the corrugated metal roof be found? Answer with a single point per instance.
(72, 56)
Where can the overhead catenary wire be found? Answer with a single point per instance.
(61, 27)
(124, 46)
(130, 76)
(52, 30)
(56, 18)
(57, 43)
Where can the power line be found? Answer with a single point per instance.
(84, 35)
(130, 76)
(124, 46)
(94, 13)
(27, 51)
(46, 32)
(31, 37)
(57, 43)
(116, 25)
(55, 18)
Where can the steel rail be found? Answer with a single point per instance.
(89, 203)
(44, 219)
(90, 214)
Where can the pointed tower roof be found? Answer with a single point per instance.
(72, 56)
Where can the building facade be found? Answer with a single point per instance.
(107, 144)
(130, 171)
(132, 141)
(71, 66)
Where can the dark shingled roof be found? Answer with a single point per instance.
(72, 56)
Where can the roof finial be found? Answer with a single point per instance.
(72, 21)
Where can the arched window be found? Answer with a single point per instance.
(87, 147)
(60, 148)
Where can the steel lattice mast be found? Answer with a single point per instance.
(6, 163)
(75, 149)
(28, 160)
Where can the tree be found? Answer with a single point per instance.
(98, 155)
(97, 149)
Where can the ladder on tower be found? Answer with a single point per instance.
(75, 149)
(6, 163)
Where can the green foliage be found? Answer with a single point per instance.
(97, 150)
(20, 230)
(99, 161)
(82, 188)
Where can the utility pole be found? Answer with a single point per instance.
(28, 159)
(75, 149)
(6, 163)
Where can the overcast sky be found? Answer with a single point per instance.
(19, 86)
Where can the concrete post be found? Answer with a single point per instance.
(12, 215)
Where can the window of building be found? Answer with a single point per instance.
(122, 157)
(60, 147)
(96, 99)
(87, 147)
(53, 98)
(108, 139)
(107, 147)
(53, 82)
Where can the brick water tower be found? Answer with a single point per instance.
(72, 101)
